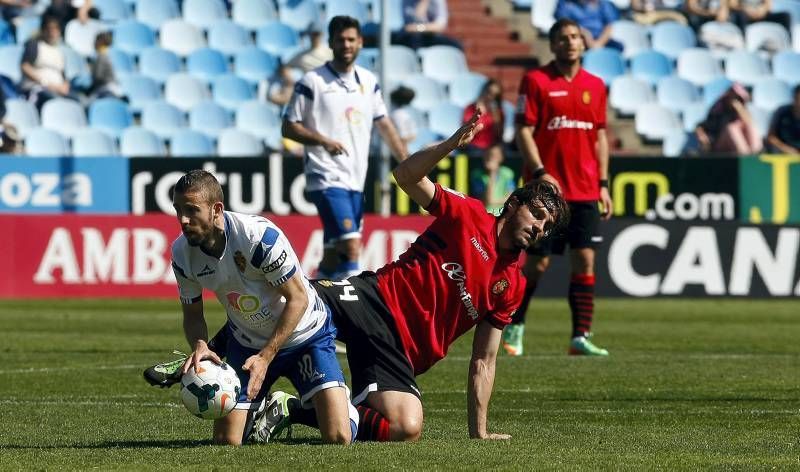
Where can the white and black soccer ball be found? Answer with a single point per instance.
(212, 392)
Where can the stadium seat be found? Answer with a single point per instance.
(181, 38)
(233, 142)
(368, 58)
(628, 93)
(139, 90)
(300, 15)
(722, 29)
(542, 14)
(27, 27)
(443, 63)
(132, 36)
(790, 6)
(63, 115)
(655, 122)
(428, 93)
(676, 93)
(694, 114)
(445, 118)
(761, 118)
(184, 91)
(93, 143)
(80, 36)
(771, 93)
(228, 37)
(154, 13)
(139, 142)
(786, 67)
(509, 112)
(190, 143)
(41, 142)
(650, 66)
(203, 13)
(230, 91)
(206, 64)
(257, 118)
(401, 62)
(253, 13)
(674, 143)
(10, 58)
(110, 115)
(158, 63)
(209, 118)
(605, 63)
(276, 38)
(22, 114)
(698, 66)
(632, 35)
(112, 11)
(76, 68)
(670, 38)
(6, 35)
(395, 15)
(714, 89)
(465, 88)
(353, 8)
(162, 118)
(254, 65)
(766, 36)
(425, 137)
(121, 61)
(745, 67)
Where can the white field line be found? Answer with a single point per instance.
(108, 403)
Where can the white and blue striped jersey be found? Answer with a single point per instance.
(341, 107)
(257, 259)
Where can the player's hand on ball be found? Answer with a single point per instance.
(257, 367)
(201, 352)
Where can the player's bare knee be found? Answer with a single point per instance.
(226, 439)
(409, 428)
(337, 436)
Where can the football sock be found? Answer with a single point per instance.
(372, 425)
(519, 316)
(581, 302)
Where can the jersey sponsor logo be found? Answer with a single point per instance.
(562, 122)
(206, 271)
(274, 265)
(249, 306)
(481, 251)
(586, 97)
(239, 260)
(455, 272)
(353, 116)
(500, 286)
(558, 93)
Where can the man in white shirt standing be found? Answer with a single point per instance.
(332, 112)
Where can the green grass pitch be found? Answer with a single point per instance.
(690, 384)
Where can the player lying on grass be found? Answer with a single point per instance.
(463, 271)
(277, 324)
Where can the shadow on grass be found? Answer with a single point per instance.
(154, 444)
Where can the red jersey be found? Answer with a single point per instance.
(450, 279)
(566, 116)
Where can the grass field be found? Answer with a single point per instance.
(690, 384)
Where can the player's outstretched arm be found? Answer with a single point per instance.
(412, 174)
(481, 380)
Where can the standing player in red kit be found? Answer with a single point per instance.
(561, 133)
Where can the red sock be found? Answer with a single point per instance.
(372, 426)
(581, 302)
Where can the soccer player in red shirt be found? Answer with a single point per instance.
(561, 133)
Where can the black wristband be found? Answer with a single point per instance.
(603, 183)
(538, 173)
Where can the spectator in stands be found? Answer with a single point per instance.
(67, 10)
(11, 9)
(784, 131)
(104, 81)
(403, 121)
(280, 91)
(318, 54)
(43, 64)
(649, 12)
(595, 18)
(490, 102)
(729, 127)
(703, 11)
(745, 12)
(424, 25)
(493, 183)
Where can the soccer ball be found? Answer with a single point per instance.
(212, 392)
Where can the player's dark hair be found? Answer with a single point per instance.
(341, 23)
(199, 180)
(543, 194)
(552, 35)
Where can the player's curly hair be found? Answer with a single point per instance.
(543, 194)
(199, 180)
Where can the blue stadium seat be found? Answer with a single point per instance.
(76, 69)
(22, 114)
(395, 15)
(139, 142)
(276, 38)
(651, 66)
(209, 118)
(509, 111)
(121, 61)
(670, 38)
(228, 37)
(80, 36)
(162, 118)
(443, 63)
(790, 6)
(110, 115)
(233, 142)
(132, 36)
(632, 35)
(112, 11)
(768, 36)
(445, 119)
(694, 114)
(368, 58)
(428, 93)
(184, 91)
(139, 90)
(698, 66)
(203, 13)
(676, 93)
(63, 115)
(6, 35)
(761, 118)
(300, 14)
(353, 8)
(628, 93)
(655, 122)
(786, 67)
(605, 63)
(258, 118)
(253, 13)
(401, 62)
(206, 64)
(93, 143)
(230, 91)
(190, 143)
(27, 27)
(425, 137)
(10, 58)
(254, 65)
(465, 89)
(542, 14)
(722, 29)
(158, 63)
(714, 89)
(674, 143)
(181, 38)
(770, 93)
(745, 67)
(154, 13)
(41, 142)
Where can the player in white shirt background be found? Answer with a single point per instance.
(278, 325)
(332, 112)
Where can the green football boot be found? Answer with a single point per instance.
(272, 419)
(581, 346)
(166, 374)
(512, 339)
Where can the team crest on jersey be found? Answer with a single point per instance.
(347, 223)
(239, 260)
(586, 97)
(500, 286)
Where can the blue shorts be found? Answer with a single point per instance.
(341, 212)
(311, 366)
